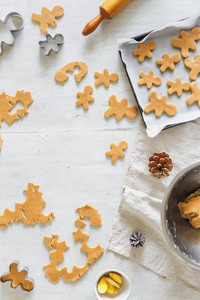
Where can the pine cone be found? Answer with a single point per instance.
(160, 164)
(137, 239)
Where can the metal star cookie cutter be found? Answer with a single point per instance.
(12, 23)
(52, 43)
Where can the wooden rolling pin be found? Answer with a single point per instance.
(108, 10)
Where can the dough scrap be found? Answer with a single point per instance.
(168, 62)
(25, 98)
(190, 209)
(85, 97)
(89, 210)
(57, 255)
(194, 66)
(8, 102)
(61, 75)
(159, 105)
(195, 95)
(119, 109)
(48, 17)
(18, 278)
(144, 50)
(149, 80)
(117, 151)
(30, 212)
(105, 78)
(178, 87)
(6, 106)
(187, 41)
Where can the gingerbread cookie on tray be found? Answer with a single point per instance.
(144, 50)
(194, 66)
(195, 95)
(187, 41)
(168, 62)
(177, 86)
(149, 80)
(159, 105)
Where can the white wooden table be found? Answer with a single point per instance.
(62, 148)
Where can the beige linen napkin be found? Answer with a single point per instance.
(140, 206)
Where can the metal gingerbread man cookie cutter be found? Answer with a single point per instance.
(12, 23)
(51, 43)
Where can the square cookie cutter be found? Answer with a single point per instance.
(51, 43)
(12, 23)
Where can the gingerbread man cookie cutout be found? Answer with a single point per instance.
(194, 66)
(18, 278)
(48, 17)
(177, 86)
(149, 80)
(195, 95)
(105, 78)
(61, 75)
(159, 105)
(144, 50)
(187, 41)
(119, 109)
(168, 62)
(117, 151)
(85, 97)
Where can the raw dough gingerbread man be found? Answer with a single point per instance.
(144, 50)
(48, 17)
(194, 66)
(159, 105)
(149, 80)
(195, 95)
(117, 151)
(119, 109)
(177, 86)
(105, 78)
(187, 41)
(168, 62)
(85, 97)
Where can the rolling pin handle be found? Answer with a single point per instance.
(92, 25)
